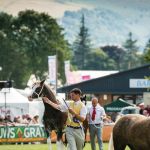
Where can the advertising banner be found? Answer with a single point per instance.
(139, 83)
(22, 133)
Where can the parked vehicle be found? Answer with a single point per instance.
(130, 110)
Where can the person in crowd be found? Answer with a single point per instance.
(2, 122)
(17, 120)
(35, 119)
(148, 109)
(29, 118)
(23, 119)
(145, 113)
(95, 115)
(8, 120)
(77, 114)
(142, 107)
(108, 120)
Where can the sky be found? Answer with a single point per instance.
(56, 8)
(52, 7)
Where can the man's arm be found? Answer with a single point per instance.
(79, 117)
(56, 106)
(103, 114)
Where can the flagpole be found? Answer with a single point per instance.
(56, 74)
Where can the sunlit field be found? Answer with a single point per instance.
(43, 147)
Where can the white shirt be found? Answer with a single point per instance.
(83, 111)
(100, 113)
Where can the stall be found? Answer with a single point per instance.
(116, 106)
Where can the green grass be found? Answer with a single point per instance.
(42, 147)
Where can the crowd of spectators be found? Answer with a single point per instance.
(144, 110)
(25, 119)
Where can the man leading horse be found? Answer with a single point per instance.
(77, 114)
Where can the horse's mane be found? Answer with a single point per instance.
(51, 95)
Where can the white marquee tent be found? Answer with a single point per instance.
(36, 107)
(13, 103)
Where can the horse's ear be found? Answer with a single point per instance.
(42, 82)
(83, 98)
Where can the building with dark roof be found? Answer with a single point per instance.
(115, 86)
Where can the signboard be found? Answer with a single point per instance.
(22, 133)
(146, 97)
(139, 83)
(67, 70)
(52, 69)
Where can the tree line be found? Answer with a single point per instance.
(109, 57)
(26, 41)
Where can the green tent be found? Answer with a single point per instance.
(116, 106)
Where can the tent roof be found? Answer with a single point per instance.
(116, 106)
(11, 95)
(13, 102)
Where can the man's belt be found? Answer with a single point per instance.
(97, 124)
(73, 127)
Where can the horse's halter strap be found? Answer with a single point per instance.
(38, 94)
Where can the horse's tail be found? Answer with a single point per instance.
(111, 143)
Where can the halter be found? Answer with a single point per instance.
(38, 94)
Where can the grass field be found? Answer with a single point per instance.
(43, 147)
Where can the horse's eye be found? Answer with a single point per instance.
(33, 85)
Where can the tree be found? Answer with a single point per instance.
(147, 52)
(10, 57)
(131, 59)
(33, 37)
(99, 60)
(81, 47)
(116, 53)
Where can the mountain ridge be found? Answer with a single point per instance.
(105, 27)
(110, 22)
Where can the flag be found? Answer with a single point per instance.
(67, 70)
(52, 69)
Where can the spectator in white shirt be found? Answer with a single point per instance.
(96, 114)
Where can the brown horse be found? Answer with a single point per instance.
(133, 131)
(53, 119)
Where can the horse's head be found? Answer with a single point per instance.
(37, 90)
(83, 99)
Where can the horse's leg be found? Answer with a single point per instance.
(119, 144)
(85, 126)
(59, 143)
(85, 132)
(49, 142)
(111, 143)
